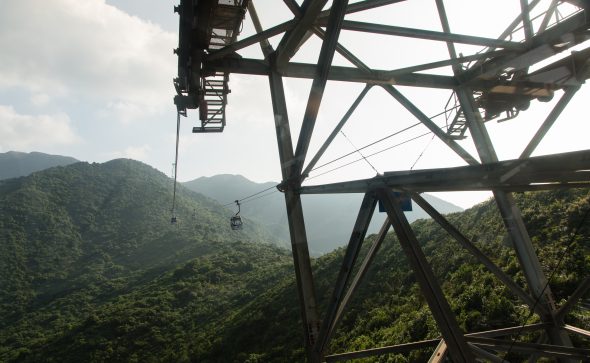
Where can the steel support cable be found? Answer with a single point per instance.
(422, 153)
(382, 139)
(245, 199)
(360, 153)
(261, 196)
(251, 195)
(176, 162)
(373, 154)
(551, 275)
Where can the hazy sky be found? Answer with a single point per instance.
(93, 80)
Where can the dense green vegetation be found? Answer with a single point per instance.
(75, 239)
(92, 270)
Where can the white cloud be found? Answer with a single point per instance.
(40, 99)
(34, 132)
(86, 49)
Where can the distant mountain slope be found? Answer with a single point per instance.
(329, 218)
(75, 237)
(14, 164)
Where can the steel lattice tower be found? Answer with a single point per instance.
(495, 82)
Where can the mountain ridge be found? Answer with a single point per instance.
(14, 164)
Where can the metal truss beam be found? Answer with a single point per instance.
(261, 36)
(337, 73)
(360, 274)
(431, 125)
(319, 83)
(539, 47)
(559, 168)
(366, 76)
(310, 10)
(512, 218)
(481, 257)
(363, 5)
(335, 132)
(352, 251)
(400, 348)
(445, 63)
(299, 246)
(441, 311)
(576, 330)
(405, 347)
(428, 35)
(547, 350)
(440, 353)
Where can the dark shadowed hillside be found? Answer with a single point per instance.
(14, 164)
(329, 218)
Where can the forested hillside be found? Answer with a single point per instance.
(389, 308)
(76, 238)
(95, 272)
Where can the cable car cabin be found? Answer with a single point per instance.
(236, 222)
(173, 220)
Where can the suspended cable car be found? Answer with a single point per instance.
(236, 220)
(173, 220)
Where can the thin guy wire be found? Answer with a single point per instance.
(366, 146)
(360, 153)
(423, 151)
(383, 139)
(373, 154)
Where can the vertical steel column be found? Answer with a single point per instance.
(445, 320)
(537, 282)
(264, 44)
(301, 260)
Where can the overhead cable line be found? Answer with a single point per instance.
(373, 154)
(261, 196)
(363, 157)
(366, 146)
(383, 139)
(250, 196)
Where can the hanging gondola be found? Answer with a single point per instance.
(236, 220)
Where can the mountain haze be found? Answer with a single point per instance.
(14, 164)
(329, 218)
